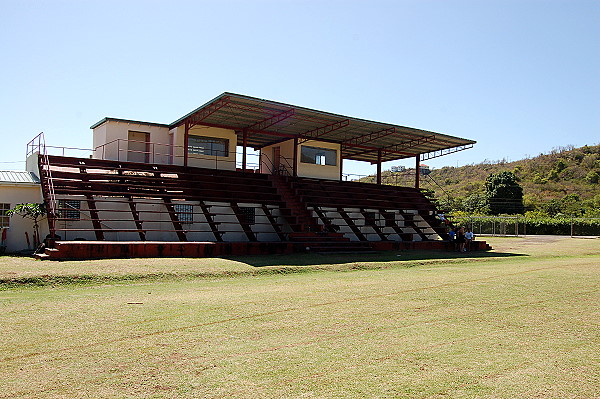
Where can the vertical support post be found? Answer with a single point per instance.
(572, 227)
(379, 166)
(341, 167)
(295, 160)
(186, 136)
(417, 171)
(244, 145)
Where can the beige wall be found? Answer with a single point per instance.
(166, 146)
(110, 141)
(20, 193)
(331, 172)
(286, 152)
(31, 164)
(205, 161)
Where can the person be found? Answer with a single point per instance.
(460, 239)
(442, 217)
(468, 239)
(452, 235)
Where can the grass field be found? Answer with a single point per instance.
(522, 321)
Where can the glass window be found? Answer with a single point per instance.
(390, 219)
(247, 215)
(370, 218)
(69, 209)
(208, 146)
(185, 213)
(4, 218)
(318, 156)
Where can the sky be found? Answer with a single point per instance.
(519, 77)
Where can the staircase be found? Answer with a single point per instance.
(306, 230)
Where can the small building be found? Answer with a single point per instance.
(16, 233)
(424, 170)
(182, 188)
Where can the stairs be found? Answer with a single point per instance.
(306, 230)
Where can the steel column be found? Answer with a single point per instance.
(244, 145)
(186, 136)
(417, 171)
(379, 166)
(295, 160)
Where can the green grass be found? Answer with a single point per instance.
(520, 322)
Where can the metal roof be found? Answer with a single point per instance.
(268, 122)
(107, 119)
(9, 176)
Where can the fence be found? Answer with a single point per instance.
(521, 226)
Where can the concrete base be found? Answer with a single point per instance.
(161, 249)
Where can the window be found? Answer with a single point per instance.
(208, 146)
(69, 209)
(4, 218)
(318, 156)
(390, 219)
(370, 218)
(185, 213)
(247, 215)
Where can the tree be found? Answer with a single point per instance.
(475, 203)
(33, 212)
(504, 193)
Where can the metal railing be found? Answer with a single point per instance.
(38, 145)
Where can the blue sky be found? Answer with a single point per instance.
(519, 77)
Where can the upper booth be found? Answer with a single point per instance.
(292, 140)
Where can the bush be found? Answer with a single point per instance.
(592, 177)
(539, 223)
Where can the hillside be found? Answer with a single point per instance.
(565, 172)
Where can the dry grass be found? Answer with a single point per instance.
(490, 327)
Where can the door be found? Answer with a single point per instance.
(138, 147)
(276, 160)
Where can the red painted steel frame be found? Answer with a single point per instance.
(204, 113)
(268, 122)
(322, 130)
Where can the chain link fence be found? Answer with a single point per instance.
(516, 226)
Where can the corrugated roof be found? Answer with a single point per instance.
(269, 122)
(107, 119)
(11, 176)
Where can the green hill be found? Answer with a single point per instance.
(565, 176)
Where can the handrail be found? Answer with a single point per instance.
(442, 188)
(45, 167)
(269, 164)
(169, 154)
(288, 167)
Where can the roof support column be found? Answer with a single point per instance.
(295, 160)
(417, 170)
(186, 137)
(379, 166)
(244, 146)
(341, 167)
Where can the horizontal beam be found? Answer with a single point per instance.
(270, 121)
(365, 138)
(323, 130)
(446, 151)
(409, 144)
(208, 110)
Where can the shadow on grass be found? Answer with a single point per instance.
(268, 265)
(316, 259)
